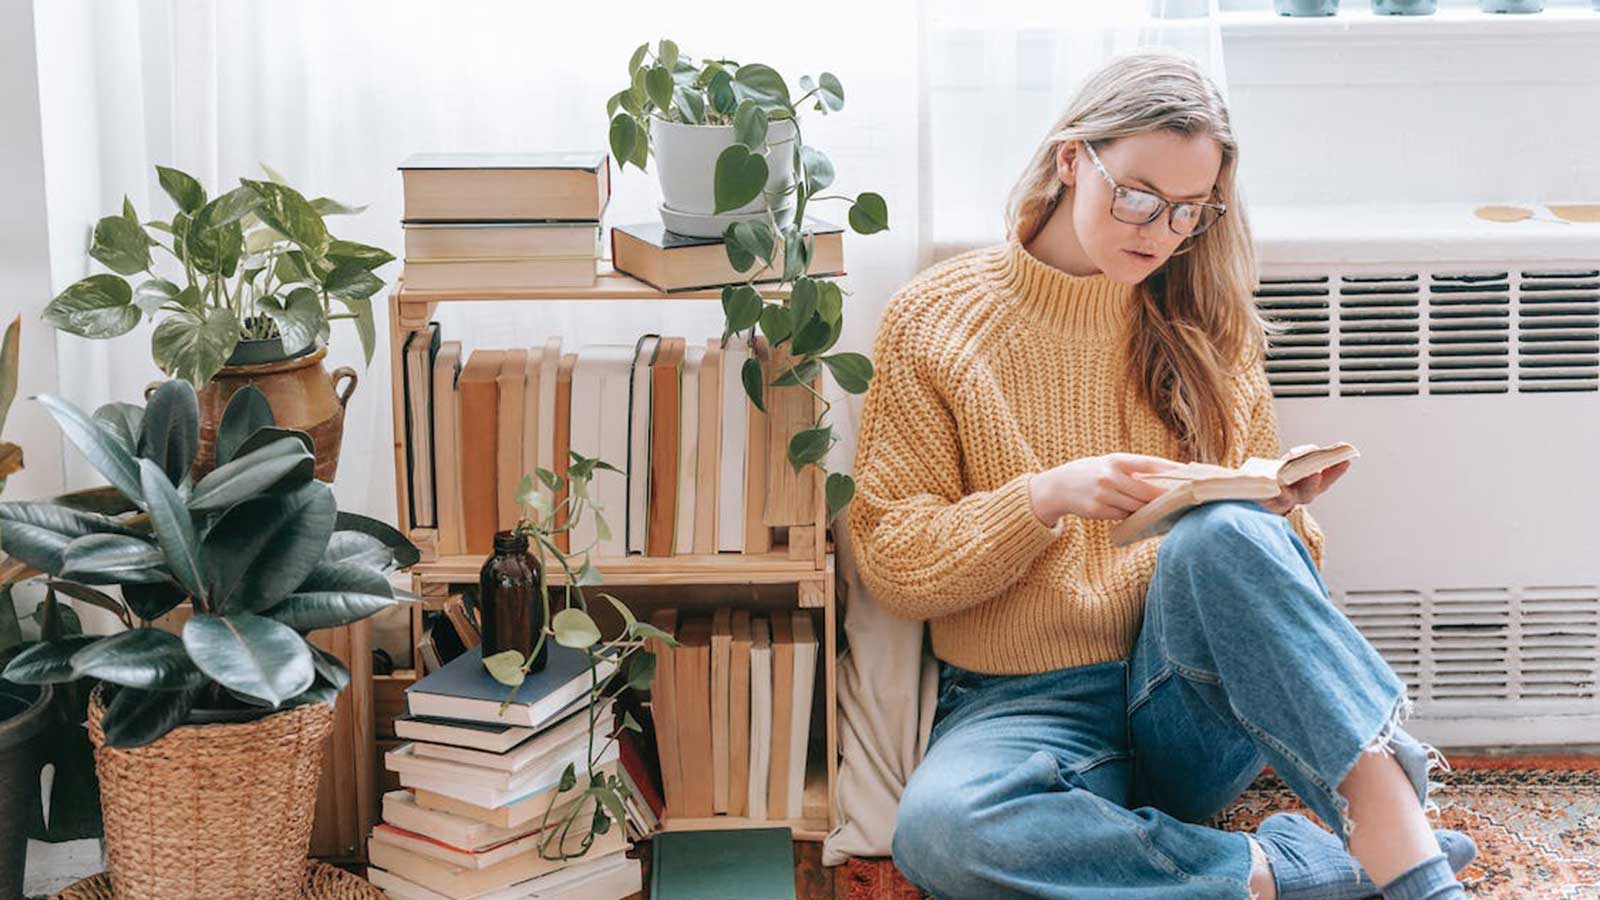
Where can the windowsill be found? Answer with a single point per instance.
(1356, 18)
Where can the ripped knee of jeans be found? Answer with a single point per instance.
(1384, 743)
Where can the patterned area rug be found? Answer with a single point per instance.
(1536, 820)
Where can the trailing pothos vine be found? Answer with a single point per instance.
(568, 622)
(804, 313)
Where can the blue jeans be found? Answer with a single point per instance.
(1088, 782)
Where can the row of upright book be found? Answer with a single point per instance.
(732, 706)
(504, 221)
(702, 469)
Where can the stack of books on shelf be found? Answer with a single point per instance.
(480, 811)
(703, 470)
(737, 692)
(668, 261)
(503, 221)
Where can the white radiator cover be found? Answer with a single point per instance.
(1462, 358)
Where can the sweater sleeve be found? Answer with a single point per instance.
(1262, 440)
(925, 547)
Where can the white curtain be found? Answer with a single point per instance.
(944, 103)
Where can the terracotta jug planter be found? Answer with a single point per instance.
(302, 394)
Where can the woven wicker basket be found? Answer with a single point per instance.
(212, 812)
(320, 881)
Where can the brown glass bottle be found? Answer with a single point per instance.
(508, 599)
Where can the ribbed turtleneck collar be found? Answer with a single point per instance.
(1086, 306)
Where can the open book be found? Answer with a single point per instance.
(1197, 483)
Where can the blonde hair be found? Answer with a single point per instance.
(1195, 325)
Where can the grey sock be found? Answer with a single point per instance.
(1309, 863)
(1430, 879)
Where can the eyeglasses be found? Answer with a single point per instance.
(1136, 207)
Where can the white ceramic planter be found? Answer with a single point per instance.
(686, 162)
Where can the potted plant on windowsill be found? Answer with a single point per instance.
(734, 164)
(256, 282)
(208, 740)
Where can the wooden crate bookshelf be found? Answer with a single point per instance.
(799, 554)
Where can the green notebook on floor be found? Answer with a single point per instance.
(753, 864)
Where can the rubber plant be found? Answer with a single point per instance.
(569, 623)
(803, 312)
(257, 548)
(254, 263)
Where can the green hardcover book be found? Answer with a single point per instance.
(754, 864)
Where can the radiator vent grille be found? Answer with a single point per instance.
(1496, 651)
(1496, 330)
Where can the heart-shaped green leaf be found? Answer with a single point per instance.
(804, 373)
(750, 125)
(750, 374)
(869, 214)
(506, 667)
(623, 133)
(641, 670)
(658, 85)
(840, 488)
(182, 188)
(575, 629)
(193, 348)
(739, 178)
(720, 91)
(851, 370)
(351, 281)
(150, 295)
(122, 246)
(286, 211)
(363, 255)
(366, 325)
(831, 91)
(250, 654)
(100, 306)
(741, 307)
(139, 658)
(818, 169)
(775, 324)
(298, 316)
(809, 445)
(762, 84)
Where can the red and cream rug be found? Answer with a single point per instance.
(1536, 820)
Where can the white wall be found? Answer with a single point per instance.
(25, 253)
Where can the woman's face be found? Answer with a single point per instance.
(1167, 163)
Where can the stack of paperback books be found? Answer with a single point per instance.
(490, 788)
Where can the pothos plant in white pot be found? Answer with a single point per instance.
(734, 164)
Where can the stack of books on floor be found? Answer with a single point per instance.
(704, 470)
(474, 817)
(737, 692)
(503, 221)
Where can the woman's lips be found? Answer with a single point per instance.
(1146, 257)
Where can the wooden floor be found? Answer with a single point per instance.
(812, 880)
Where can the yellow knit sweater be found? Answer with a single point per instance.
(993, 366)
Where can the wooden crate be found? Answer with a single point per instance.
(799, 554)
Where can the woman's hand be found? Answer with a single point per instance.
(1096, 487)
(1306, 489)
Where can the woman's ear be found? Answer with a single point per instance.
(1066, 152)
